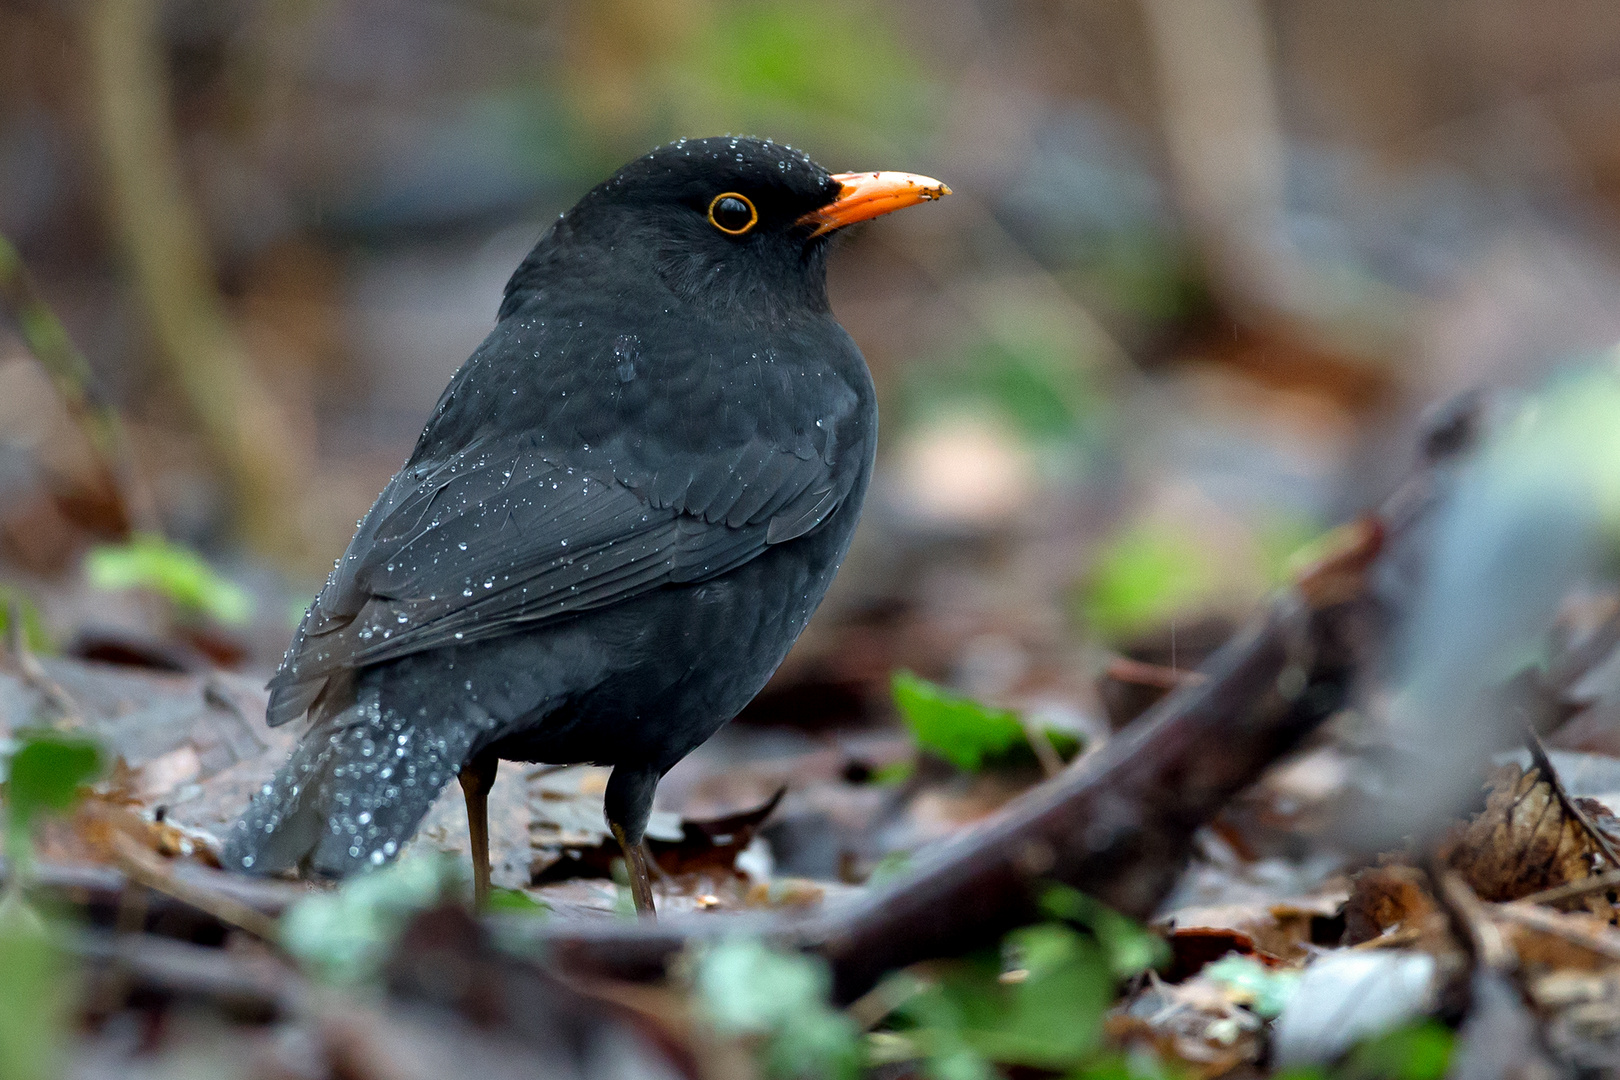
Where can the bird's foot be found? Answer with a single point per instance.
(635, 861)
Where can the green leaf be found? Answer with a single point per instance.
(33, 627)
(745, 988)
(957, 728)
(44, 775)
(1419, 1052)
(36, 995)
(1131, 947)
(1042, 1006)
(516, 902)
(177, 573)
(894, 773)
(1143, 578)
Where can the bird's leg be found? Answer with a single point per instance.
(477, 777)
(635, 862)
(658, 871)
(627, 804)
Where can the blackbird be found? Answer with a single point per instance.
(621, 514)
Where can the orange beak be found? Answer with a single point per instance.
(867, 195)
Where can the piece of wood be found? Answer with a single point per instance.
(1117, 824)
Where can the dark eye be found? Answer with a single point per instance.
(732, 213)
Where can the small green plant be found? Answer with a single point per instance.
(1142, 579)
(779, 1000)
(15, 605)
(1419, 1051)
(177, 573)
(516, 902)
(46, 774)
(1263, 990)
(343, 936)
(964, 732)
(957, 728)
(1037, 1003)
(1130, 947)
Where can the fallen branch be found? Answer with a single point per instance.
(99, 890)
(1117, 824)
(1120, 824)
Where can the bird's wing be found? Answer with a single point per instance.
(502, 535)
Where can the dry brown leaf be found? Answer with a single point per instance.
(1522, 842)
(1394, 897)
(86, 837)
(1196, 1025)
(1282, 931)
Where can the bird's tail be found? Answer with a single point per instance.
(352, 793)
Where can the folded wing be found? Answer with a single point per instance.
(503, 537)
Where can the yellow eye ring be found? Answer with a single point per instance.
(730, 213)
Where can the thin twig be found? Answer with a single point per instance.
(34, 675)
(147, 868)
(1606, 944)
(1468, 912)
(1538, 756)
(1393, 939)
(42, 332)
(1573, 889)
(1140, 673)
(1045, 753)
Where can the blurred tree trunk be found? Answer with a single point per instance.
(166, 251)
(1213, 66)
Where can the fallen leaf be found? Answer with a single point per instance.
(1385, 899)
(1522, 842)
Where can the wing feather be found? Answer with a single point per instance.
(500, 537)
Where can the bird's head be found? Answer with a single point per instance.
(735, 223)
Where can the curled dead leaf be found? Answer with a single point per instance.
(1390, 898)
(1522, 842)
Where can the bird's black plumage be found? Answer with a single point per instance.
(624, 509)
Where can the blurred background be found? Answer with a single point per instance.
(1206, 266)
